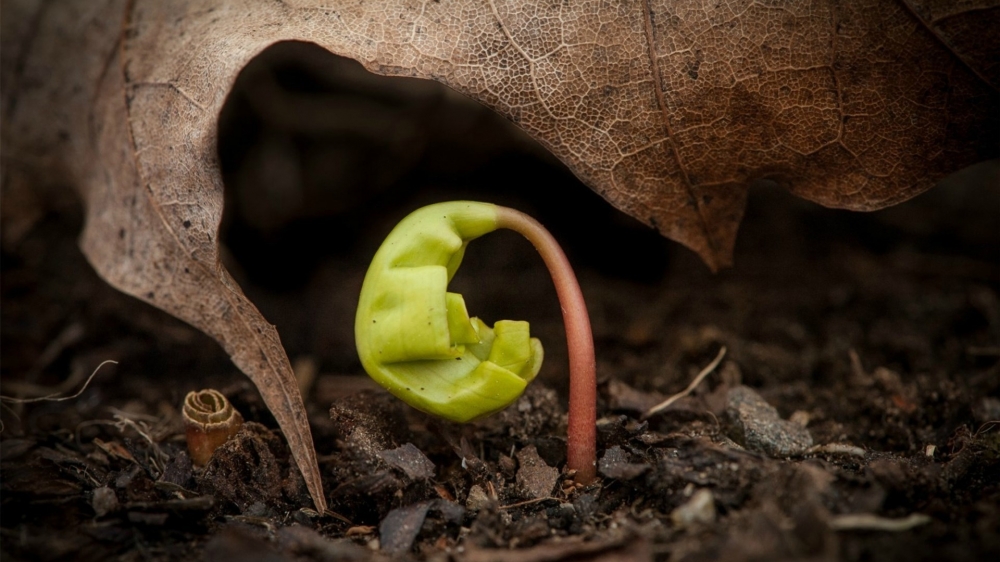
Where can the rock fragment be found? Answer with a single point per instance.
(756, 425)
(614, 464)
(477, 498)
(401, 526)
(534, 476)
(699, 509)
(104, 501)
(410, 460)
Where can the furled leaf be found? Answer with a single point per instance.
(418, 341)
(667, 108)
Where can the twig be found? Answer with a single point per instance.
(527, 502)
(872, 522)
(334, 514)
(694, 384)
(55, 397)
(134, 416)
(988, 426)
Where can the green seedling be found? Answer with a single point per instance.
(418, 341)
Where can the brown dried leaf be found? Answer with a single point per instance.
(669, 109)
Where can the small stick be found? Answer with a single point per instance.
(694, 384)
(527, 502)
(52, 397)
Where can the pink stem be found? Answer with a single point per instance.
(581, 438)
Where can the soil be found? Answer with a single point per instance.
(854, 416)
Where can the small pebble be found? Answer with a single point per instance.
(699, 509)
(400, 527)
(411, 460)
(477, 498)
(756, 425)
(614, 464)
(507, 466)
(104, 501)
(535, 477)
(800, 417)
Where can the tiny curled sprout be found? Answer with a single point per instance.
(210, 420)
(418, 341)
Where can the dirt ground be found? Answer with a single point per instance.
(855, 415)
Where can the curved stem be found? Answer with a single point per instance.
(581, 438)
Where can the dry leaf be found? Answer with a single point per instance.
(667, 108)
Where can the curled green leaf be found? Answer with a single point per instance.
(418, 341)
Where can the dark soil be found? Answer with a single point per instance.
(875, 338)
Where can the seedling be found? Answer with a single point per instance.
(418, 341)
(209, 420)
